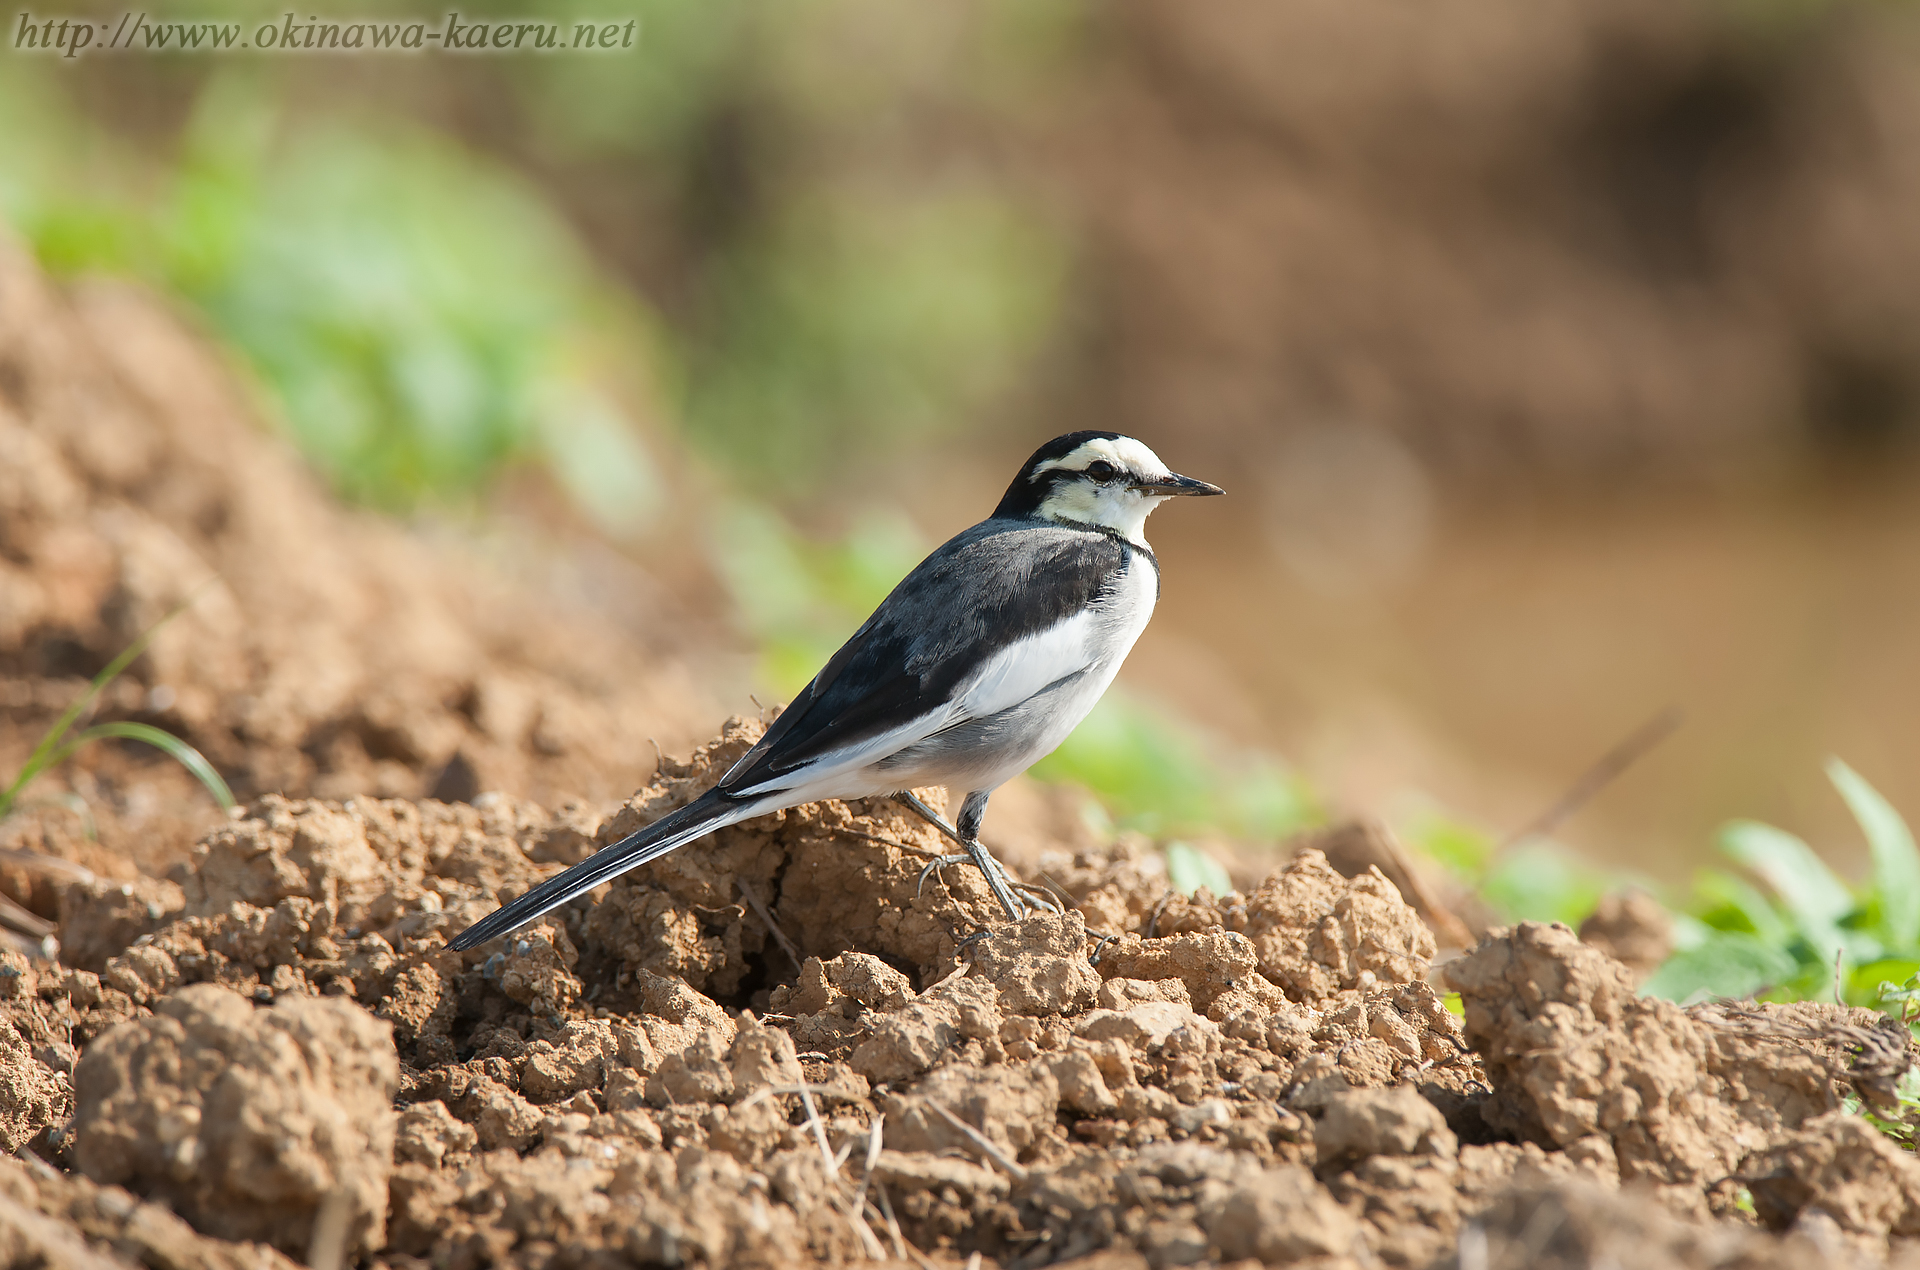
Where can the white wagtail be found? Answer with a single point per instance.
(977, 665)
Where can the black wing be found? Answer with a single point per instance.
(985, 588)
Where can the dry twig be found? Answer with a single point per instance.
(39, 862)
(992, 1152)
(1603, 773)
(766, 919)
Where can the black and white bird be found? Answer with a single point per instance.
(977, 665)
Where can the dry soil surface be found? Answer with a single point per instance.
(780, 1048)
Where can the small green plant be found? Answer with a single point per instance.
(1900, 1122)
(1802, 933)
(56, 747)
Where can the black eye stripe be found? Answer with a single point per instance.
(1101, 470)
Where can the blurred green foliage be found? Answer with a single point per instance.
(800, 599)
(1189, 869)
(1781, 925)
(853, 272)
(1802, 933)
(1535, 879)
(845, 276)
(419, 316)
(1161, 775)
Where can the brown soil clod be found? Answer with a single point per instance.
(602, 1083)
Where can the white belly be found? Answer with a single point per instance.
(1032, 705)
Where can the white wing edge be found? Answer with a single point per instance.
(1008, 678)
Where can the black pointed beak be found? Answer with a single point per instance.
(1171, 484)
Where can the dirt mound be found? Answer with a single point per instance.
(778, 1048)
(249, 1123)
(50, 1219)
(323, 651)
(1574, 1226)
(1676, 1100)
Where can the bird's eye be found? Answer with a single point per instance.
(1101, 470)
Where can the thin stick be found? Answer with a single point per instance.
(327, 1246)
(37, 862)
(767, 1091)
(874, 1143)
(901, 1247)
(819, 1131)
(889, 842)
(766, 919)
(1153, 923)
(23, 919)
(1438, 915)
(1629, 751)
(992, 1152)
(869, 1241)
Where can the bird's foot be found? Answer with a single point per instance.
(1040, 897)
(989, 867)
(996, 880)
(1005, 891)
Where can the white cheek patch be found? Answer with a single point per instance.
(1116, 507)
(1074, 501)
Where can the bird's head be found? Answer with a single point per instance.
(1100, 479)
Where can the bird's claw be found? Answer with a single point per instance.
(938, 863)
(989, 867)
(1040, 895)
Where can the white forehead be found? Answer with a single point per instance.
(1124, 453)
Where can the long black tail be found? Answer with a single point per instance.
(711, 811)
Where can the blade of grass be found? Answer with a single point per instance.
(43, 755)
(1715, 886)
(1808, 890)
(1896, 862)
(193, 760)
(1806, 886)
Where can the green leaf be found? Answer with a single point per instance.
(44, 753)
(1807, 888)
(1896, 862)
(193, 760)
(1866, 984)
(1189, 868)
(1725, 964)
(1724, 894)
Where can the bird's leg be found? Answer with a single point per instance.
(967, 834)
